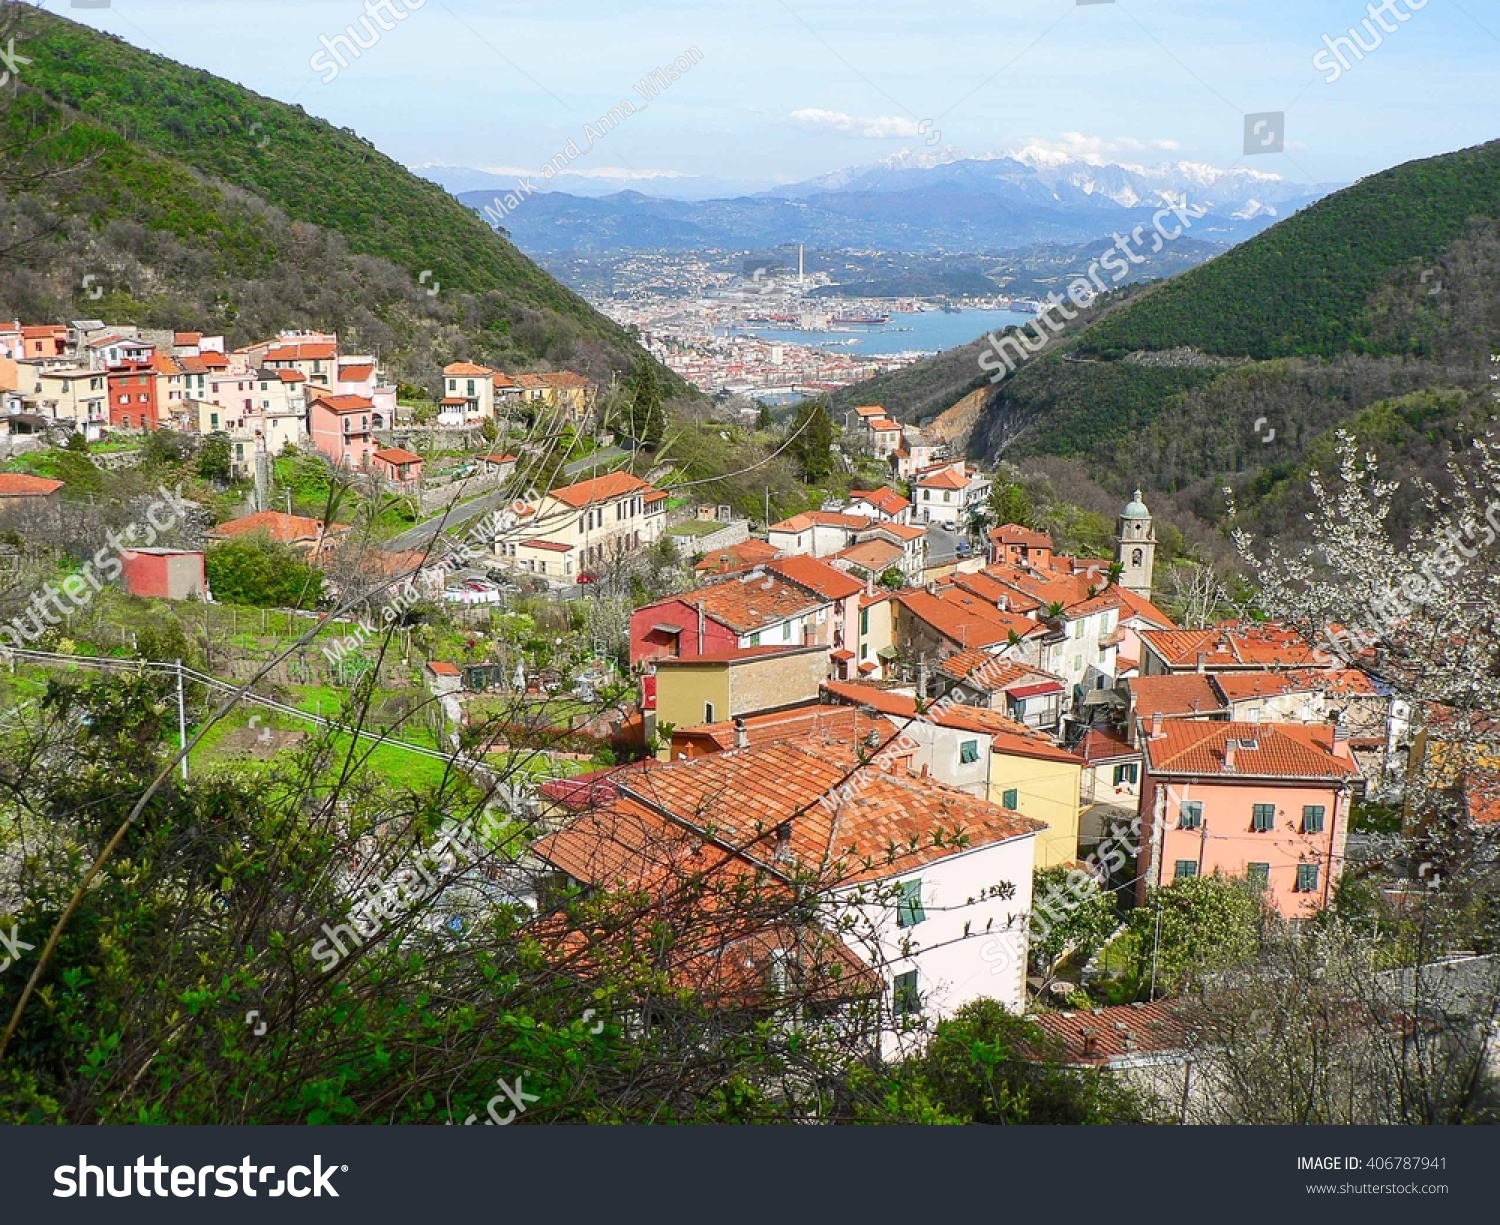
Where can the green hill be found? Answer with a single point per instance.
(193, 201)
(1383, 296)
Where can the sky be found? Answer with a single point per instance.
(783, 90)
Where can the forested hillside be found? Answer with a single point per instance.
(193, 202)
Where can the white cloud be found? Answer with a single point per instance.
(871, 127)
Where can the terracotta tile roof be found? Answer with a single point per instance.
(946, 479)
(565, 380)
(466, 370)
(279, 526)
(502, 381)
(1186, 693)
(497, 459)
(1133, 605)
(1230, 646)
(1346, 682)
(356, 374)
(870, 410)
(186, 338)
(842, 723)
(964, 619)
(1014, 533)
(550, 546)
(1045, 586)
(989, 673)
(1243, 686)
(883, 425)
(305, 351)
(441, 667)
(22, 485)
(991, 590)
(600, 489)
(1284, 750)
(345, 404)
(291, 376)
(1121, 1033)
(1479, 789)
(745, 794)
(397, 455)
(1006, 735)
(902, 531)
(822, 518)
(876, 556)
(752, 601)
(654, 495)
(737, 557)
(885, 499)
(816, 576)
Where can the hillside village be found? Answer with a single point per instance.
(815, 691)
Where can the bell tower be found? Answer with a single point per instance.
(1137, 548)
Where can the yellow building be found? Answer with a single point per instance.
(1045, 788)
(711, 688)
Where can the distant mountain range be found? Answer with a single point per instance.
(908, 202)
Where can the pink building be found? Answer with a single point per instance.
(1268, 801)
(401, 469)
(343, 430)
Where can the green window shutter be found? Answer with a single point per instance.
(1312, 818)
(1307, 878)
(968, 752)
(1185, 869)
(1264, 818)
(909, 910)
(864, 621)
(1010, 798)
(1190, 815)
(908, 999)
(1258, 874)
(1119, 775)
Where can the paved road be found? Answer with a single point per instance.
(607, 457)
(416, 538)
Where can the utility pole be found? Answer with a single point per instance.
(182, 721)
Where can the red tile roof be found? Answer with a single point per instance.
(822, 518)
(441, 667)
(981, 670)
(356, 374)
(1104, 744)
(1283, 750)
(964, 619)
(737, 557)
(22, 485)
(876, 556)
(752, 601)
(344, 404)
(1014, 533)
(885, 499)
(306, 351)
(1244, 686)
(1108, 1035)
(600, 489)
(1186, 693)
(816, 576)
(946, 479)
(279, 526)
(397, 455)
(1231, 646)
(466, 370)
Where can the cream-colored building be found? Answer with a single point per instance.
(579, 528)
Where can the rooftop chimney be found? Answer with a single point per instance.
(1202, 662)
(1229, 747)
(1156, 728)
(741, 733)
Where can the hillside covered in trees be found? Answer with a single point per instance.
(192, 202)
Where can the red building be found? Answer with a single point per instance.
(132, 396)
(759, 608)
(342, 430)
(399, 468)
(164, 574)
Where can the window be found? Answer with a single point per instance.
(1307, 878)
(1127, 774)
(755, 640)
(909, 910)
(1190, 815)
(1010, 798)
(1185, 869)
(968, 752)
(864, 621)
(908, 1000)
(1264, 818)
(1077, 663)
(213, 420)
(786, 631)
(1312, 818)
(1258, 874)
(708, 712)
